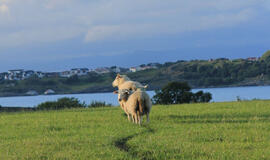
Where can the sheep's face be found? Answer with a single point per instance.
(115, 83)
(123, 94)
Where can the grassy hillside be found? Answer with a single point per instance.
(235, 130)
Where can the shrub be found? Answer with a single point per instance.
(179, 92)
(99, 104)
(61, 103)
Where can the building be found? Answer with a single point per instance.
(65, 74)
(132, 69)
(40, 74)
(141, 68)
(49, 91)
(116, 69)
(32, 93)
(27, 74)
(146, 67)
(16, 74)
(2, 75)
(52, 74)
(252, 59)
(79, 71)
(102, 70)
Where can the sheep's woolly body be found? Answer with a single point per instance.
(137, 104)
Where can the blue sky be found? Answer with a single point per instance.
(54, 35)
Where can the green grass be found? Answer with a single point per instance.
(234, 130)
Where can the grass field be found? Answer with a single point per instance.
(233, 130)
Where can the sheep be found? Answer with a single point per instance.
(136, 104)
(123, 82)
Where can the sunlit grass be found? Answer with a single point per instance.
(234, 130)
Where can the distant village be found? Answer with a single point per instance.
(21, 74)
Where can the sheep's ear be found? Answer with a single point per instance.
(118, 75)
(115, 92)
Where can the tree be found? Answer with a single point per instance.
(173, 93)
(179, 92)
(266, 56)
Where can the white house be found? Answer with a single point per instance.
(40, 74)
(135, 69)
(14, 74)
(65, 74)
(49, 91)
(32, 93)
(27, 74)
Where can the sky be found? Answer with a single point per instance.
(55, 35)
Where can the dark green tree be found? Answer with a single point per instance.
(179, 92)
(173, 93)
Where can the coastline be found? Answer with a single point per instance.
(110, 91)
(219, 94)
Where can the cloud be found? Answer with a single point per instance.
(40, 35)
(50, 21)
(56, 4)
(5, 1)
(4, 9)
(168, 22)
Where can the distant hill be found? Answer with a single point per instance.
(198, 73)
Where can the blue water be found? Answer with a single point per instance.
(219, 95)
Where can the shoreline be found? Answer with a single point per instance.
(210, 87)
(17, 109)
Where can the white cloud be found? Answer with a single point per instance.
(40, 35)
(56, 4)
(163, 19)
(45, 21)
(5, 1)
(4, 9)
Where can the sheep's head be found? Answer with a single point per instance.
(115, 83)
(122, 94)
(119, 79)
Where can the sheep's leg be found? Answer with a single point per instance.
(128, 117)
(133, 119)
(147, 115)
(138, 117)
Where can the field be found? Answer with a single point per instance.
(217, 131)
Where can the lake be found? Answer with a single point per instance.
(219, 95)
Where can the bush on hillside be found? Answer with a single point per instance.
(61, 103)
(179, 92)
